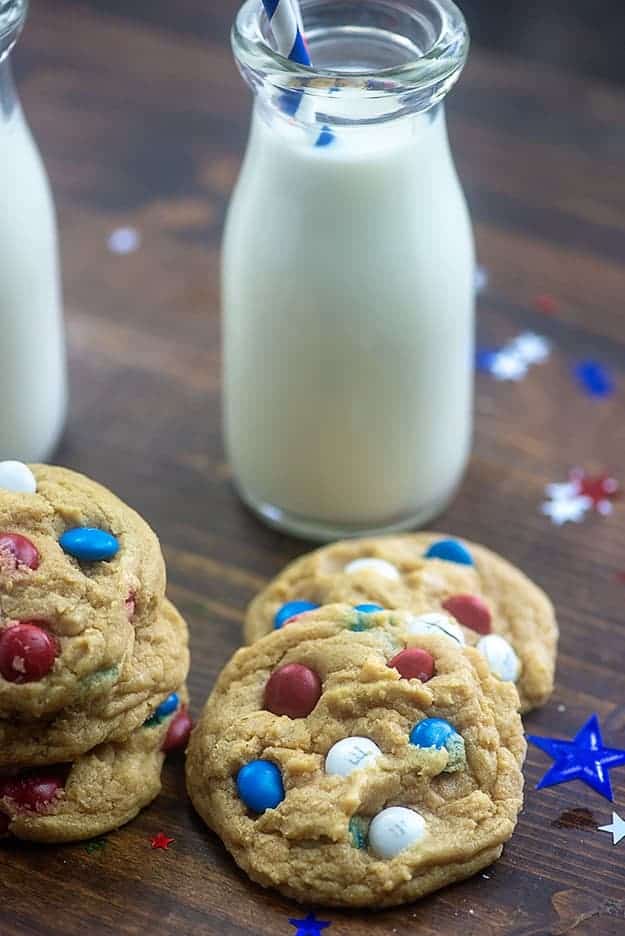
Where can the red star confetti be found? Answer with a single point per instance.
(546, 304)
(161, 841)
(601, 489)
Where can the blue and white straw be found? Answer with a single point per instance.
(285, 20)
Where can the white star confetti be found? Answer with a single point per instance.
(507, 366)
(567, 510)
(124, 240)
(481, 279)
(616, 828)
(531, 348)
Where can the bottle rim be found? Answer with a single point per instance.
(437, 66)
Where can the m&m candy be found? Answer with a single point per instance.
(33, 792)
(17, 477)
(451, 551)
(435, 623)
(438, 733)
(501, 657)
(394, 830)
(292, 690)
(260, 786)
(178, 732)
(169, 705)
(89, 544)
(290, 610)
(19, 551)
(351, 754)
(27, 652)
(370, 564)
(471, 611)
(368, 608)
(414, 663)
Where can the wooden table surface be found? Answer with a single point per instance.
(142, 119)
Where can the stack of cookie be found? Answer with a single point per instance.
(367, 748)
(93, 658)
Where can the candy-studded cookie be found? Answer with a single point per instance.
(500, 610)
(158, 665)
(80, 573)
(101, 790)
(354, 759)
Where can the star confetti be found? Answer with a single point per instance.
(594, 379)
(160, 840)
(310, 926)
(585, 758)
(95, 845)
(481, 279)
(571, 500)
(513, 360)
(617, 828)
(547, 304)
(124, 240)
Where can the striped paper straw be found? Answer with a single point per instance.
(285, 26)
(285, 19)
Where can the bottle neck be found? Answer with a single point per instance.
(8, 94)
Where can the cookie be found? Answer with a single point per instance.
(424, 572)
(80, 573)
(100, 791)
(159, 664)
(345, 761)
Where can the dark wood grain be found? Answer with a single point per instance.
(143, 119)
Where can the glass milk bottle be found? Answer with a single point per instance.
(348, 273)
(32, 352)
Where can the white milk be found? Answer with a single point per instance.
(348, 326)
(32, 358)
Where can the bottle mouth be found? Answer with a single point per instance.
(12, 17)
(414, 48)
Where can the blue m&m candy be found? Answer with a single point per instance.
(89, 544)
(438, 733)
(451, 551)
(259, 784)
(368, 608)
(169, 705)
(292, 609)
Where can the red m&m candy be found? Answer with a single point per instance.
(178, 732)
(292, 690)
(27, 652)
(18, 550)
(414, 663)
(33, 792)
(470, 611)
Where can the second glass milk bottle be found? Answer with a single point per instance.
(32, 348)
(348, 273)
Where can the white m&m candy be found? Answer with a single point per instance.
(501, 657)
(17, 477)
(380, 566)
(351, 754)
(394, 830)
(435, 623)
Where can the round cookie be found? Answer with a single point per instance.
(482, 591)
(80, 572)
(309, 804)
(159, 664)
(100, 791)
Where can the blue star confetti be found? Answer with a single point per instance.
(310, 926)
(585, 758)
(594, 379)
